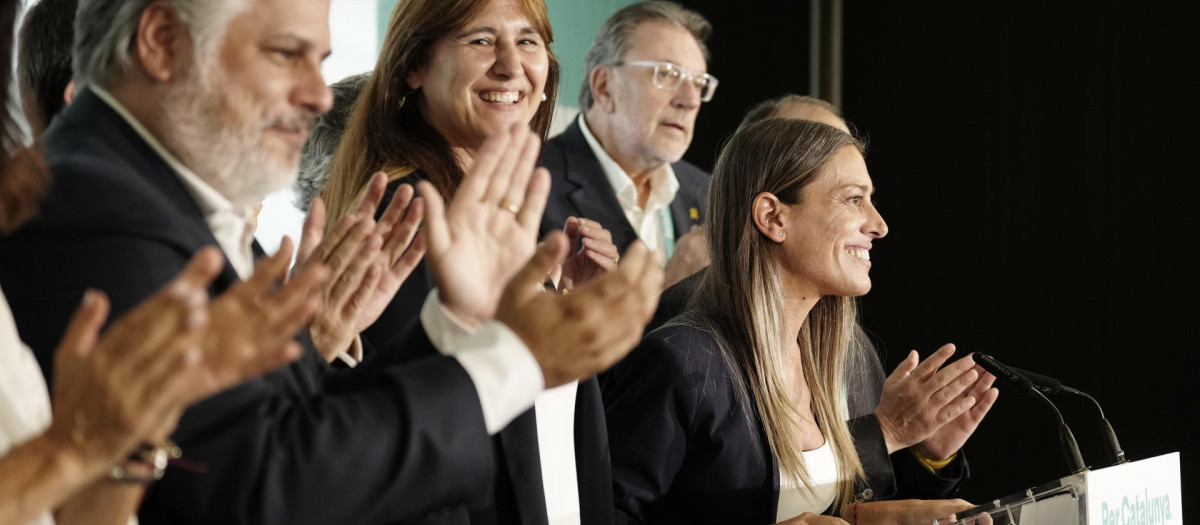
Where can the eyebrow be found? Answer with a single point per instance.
(304, 43)
(527, 30)
(863, 187)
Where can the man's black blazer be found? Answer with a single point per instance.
(518, 496)
(579, 188)
(301, 445)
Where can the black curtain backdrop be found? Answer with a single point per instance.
(1034, 164)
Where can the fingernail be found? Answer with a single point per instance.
(90, 296)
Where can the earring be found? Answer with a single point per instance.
(544, 97)
(402, 99)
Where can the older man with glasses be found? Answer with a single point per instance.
(619, 164)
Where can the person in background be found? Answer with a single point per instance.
(190, 112)
(735, 412)
(323, 140)
(619, 164)
(449, 76)
(800, 107)
(44, 61)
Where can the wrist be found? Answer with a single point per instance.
(932, 462)
(329, 344)
(467, 317)
(80, 450)
(888, 430)
(73, 463)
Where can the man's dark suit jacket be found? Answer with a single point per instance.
(579, 188)
(301, 445)
(518, 496)
(898, 476)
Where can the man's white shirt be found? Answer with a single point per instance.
(663, 187)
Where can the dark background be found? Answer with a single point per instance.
(1035, 164)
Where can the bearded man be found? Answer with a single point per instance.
(189, 112)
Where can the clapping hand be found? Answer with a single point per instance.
(490, 228)
(577, 335)
(691, 255)
(918, 398)
(948, 439)
(592, 252)
(369, 260)
(129, 386)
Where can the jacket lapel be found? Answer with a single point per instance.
(592, 196)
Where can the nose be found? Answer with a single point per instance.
(875, 226)
(687, 95)
(311, 92)
(508, 61)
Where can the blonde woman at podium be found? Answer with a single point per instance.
(735, 412)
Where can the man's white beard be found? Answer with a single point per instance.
(226, 155)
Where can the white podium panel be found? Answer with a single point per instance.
(1145, 492)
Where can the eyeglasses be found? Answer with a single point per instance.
(669, 76)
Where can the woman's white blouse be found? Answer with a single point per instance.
(24, 400)
(822, 471)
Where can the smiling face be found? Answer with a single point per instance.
(829, 232)
(649, 126)
(239, 118)
(484, 77)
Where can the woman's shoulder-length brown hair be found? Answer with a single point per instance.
(386, 130)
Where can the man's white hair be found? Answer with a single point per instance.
(105, 31)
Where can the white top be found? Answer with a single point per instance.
(506, 376)
(794, 500)
(555, 409)
(663, 187)
(24, 399)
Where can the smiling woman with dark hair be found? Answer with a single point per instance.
(451, 74)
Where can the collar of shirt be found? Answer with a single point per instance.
(663, 184)
(230, 225)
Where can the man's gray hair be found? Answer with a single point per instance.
(325, 137)
(105, 31)
(612, 41)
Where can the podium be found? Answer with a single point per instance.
(1145, 492)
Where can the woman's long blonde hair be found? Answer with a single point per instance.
(741, 298)
(386, 130)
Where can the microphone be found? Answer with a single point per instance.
(1047, 385)
(1070, 446)
(1051, 386)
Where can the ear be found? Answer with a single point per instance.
(601, 83)
(416, 79)
(768, 216)
(162, 44)
(69, 93)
